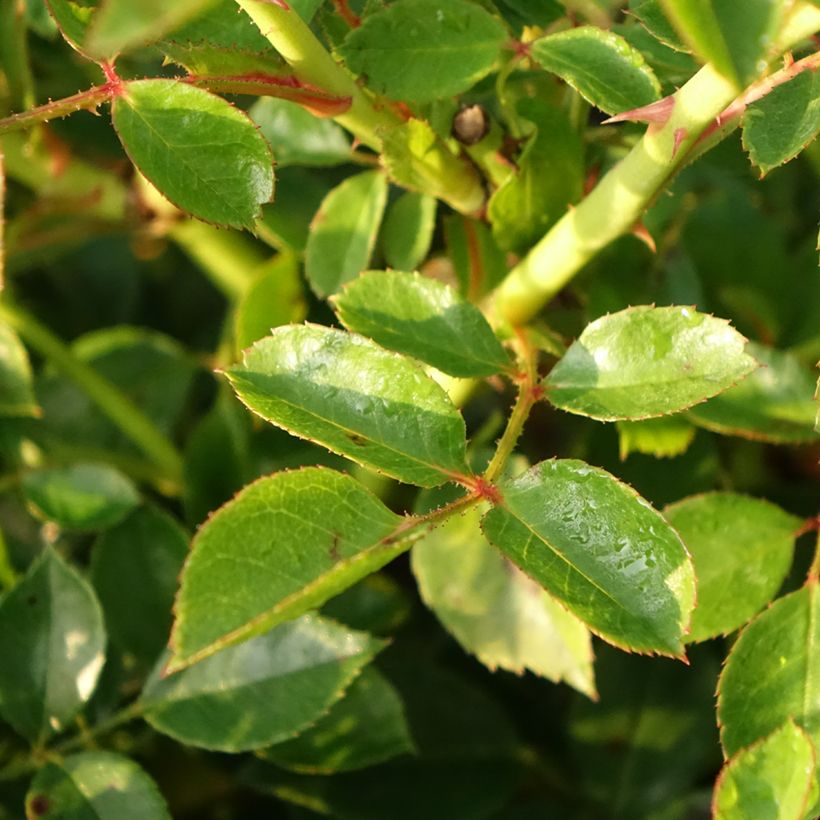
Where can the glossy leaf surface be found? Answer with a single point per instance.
(81, 496)
(408, 230)
(770, 779)
(16, 394)
(343, 232)
(774, 404)
(177, 134)
(52, 642)
(367, 726)
(284, 545)
(601, 66)
(353, 397)
(435, 49)
(98, 785)
(261, 691)
(597, 546)
(421, 317)
(495, 611)
(742, 549)
(771, 674)
(645, 361)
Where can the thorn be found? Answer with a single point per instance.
(640, 231)
(680, 136)
(656, 113)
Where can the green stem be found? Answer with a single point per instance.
(312, 63)
(619, 200)
(88, 100)
(116, 406)
(81, 740)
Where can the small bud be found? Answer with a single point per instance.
(471, 125)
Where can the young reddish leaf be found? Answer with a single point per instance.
(646, 361)
(352, 396)
(199, 151)
(268, 556)
(597, 546)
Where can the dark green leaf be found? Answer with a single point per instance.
(596, 545)
(773, 404)
(94, 786)
(535, 12)
(377, 604)
(494, 611)
(134, 569)
(346, 393)
(177, 137)
(80, 497)
(344, 231)
(408, 230)
(52, 642)
(423, 318)
(742, 549)
(771, 779)
(422, 50)
(778, 127)
(646, 361)
(16, 395)
(261, 691)
(601, 66)
(663, 437)
(734, 37)
(655, 20)
(367, 726)
(286, 544)
(770, 675)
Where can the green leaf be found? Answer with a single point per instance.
(275, 297)
(656, 22)
(52, 642)
(422, 50)
(742, 549)
(494, 611)
(297, 137)
(663, 437)
(262, 691)
(771, 675)
(408, 230)
(73, 20)
(148, 549)
(535, 12)
(344, 231)
(479, 263)
(377, 604)
(550, 176)
(177, 134)
(774, 404)
(16, 395)
(778, 127)
(367, 726)
(601, 66)
(81, 496)
(423, 318)
(595, 544)
(346, 393)
(647, 361)
(735, 37)
(98, 785)
(286, 544)
(771, 779)
(122, 25)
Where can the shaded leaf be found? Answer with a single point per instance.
(494, 611)
(98, 785)
(353, 397)
(770, 675)
(52, 642)
(655, 20)
(601, 66)
(773, 404)
(408, 230)
(177, 134)
(778, 127)
(284, 545)
(261, 691)
(376, 604)
(534, 12)
(80, 496)
(663, 437)
(422, 50)
(770, 779)
(742, 549)
(478, 261)
(423, 318)
(343, 232)
(597, 546)
(16, 394)
(646, 361)
(367, 726)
